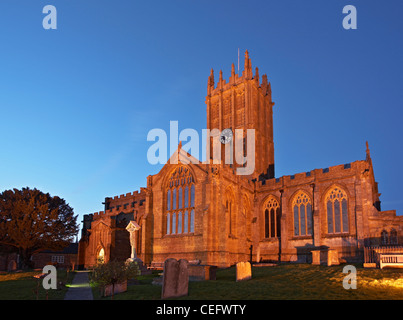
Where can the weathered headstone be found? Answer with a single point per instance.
(243, 271)
(175, 281)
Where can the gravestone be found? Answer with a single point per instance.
(325, 256)
(258, 254)
(243, 271)
(332, 257)
(201, 272)
(117, 288)
(12, 266)
(316, 257)
(175, 281)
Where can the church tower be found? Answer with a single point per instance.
(244, 102)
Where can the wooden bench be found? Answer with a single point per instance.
(391, 260)
(156, 266)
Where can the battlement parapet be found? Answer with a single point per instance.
(315, 174)
(127, 195)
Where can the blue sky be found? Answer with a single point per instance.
(77, 102)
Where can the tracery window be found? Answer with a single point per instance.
(393, 237)
(272, 218)
(180, 202)
(384, 238)
(337, 211)
(302, 209)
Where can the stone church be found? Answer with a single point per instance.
(208, 213)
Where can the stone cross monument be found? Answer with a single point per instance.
(133, 228)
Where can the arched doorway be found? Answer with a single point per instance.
(101, 256)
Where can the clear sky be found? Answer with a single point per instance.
(78, 102)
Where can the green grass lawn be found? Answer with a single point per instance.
(23, 286)
(288, 281)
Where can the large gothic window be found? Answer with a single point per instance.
(302, 210)
(272, 218)
(180, 202)
(337, 211)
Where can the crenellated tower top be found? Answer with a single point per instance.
(244, 102)
(235, 79)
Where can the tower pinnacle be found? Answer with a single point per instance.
(247, 66)
(368, 154)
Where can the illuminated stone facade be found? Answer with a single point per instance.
(208, 212)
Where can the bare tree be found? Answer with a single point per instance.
(32, 221)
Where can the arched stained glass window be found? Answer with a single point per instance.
(180, 194)
(272, 218)
(302, 209)
(337, 211)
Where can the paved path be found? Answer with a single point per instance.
(80, 288)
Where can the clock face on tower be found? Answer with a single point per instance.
(226, 136)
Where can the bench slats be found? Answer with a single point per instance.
(389, 259)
